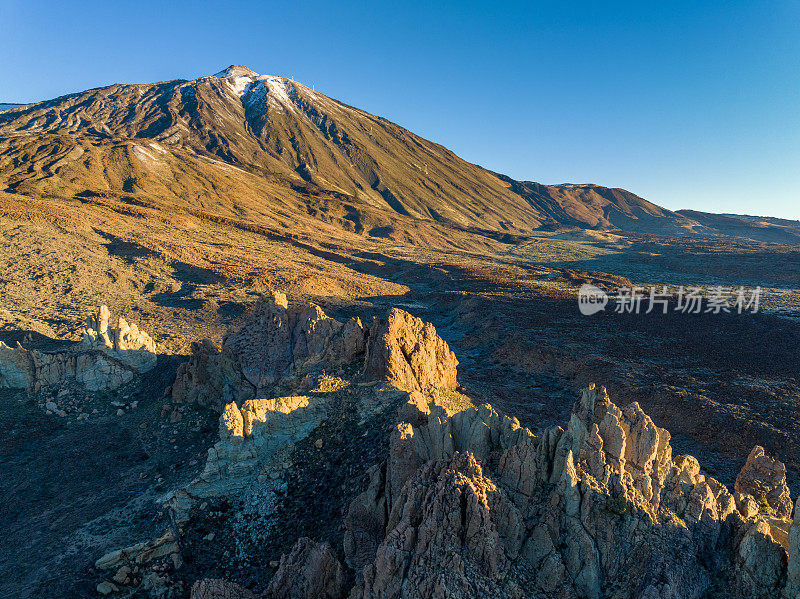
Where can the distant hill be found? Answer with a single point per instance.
(758, 228)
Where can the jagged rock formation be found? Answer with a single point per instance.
(275, 343)
(106, 358)
(764, 479)
(125, 341)
(471, 504)
(268, 353)
(278, 344)
(599, 509)
(408, 353)
(474, 505)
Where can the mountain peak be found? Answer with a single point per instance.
(240, 79)
(236, 70)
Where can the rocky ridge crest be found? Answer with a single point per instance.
(468, 502)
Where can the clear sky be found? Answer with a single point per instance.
(688, 104)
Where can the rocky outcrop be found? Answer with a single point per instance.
(446, 535)
(273, 348)
(255, 441)
(472, 504)
(365, 522)
(309, 571)
(106, 358)
(126, 342)
(599, 507)
(17, 367)
(279, 347)
(407, 352)
(764, 479)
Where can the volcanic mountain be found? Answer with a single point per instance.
(253, 146)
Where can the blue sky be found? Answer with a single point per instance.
(688, 104)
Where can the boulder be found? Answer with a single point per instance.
(106, 588)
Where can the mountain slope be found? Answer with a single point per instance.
(268, 126)
(255, 147)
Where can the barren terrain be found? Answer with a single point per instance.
(184, 239)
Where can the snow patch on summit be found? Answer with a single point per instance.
(239, 84)
(275, 90)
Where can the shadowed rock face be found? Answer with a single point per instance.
(275, 342)
(309, 571)
(106, 358)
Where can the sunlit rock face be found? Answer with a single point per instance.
(408, 353)
(125, 342)
(764, 479)
(474, 505)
